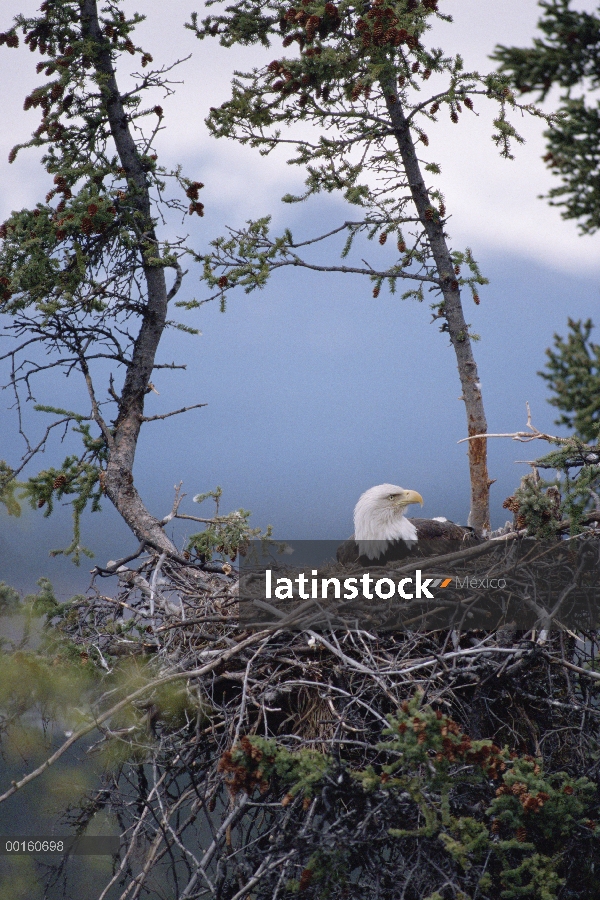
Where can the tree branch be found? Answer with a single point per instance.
(175, 412)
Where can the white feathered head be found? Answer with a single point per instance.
(379, 518)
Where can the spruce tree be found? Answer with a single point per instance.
(361, 74)
(573, 376)
(86, 280)
(566, 57)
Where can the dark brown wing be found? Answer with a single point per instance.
(434, 539)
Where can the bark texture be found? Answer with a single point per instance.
(479, 517)
(122, 439)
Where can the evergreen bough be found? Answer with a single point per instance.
(567, 57)
(573, 375)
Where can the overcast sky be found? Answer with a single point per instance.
(315, 391)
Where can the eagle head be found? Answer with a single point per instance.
(379, 517)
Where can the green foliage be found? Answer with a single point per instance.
(573, 376)
(495, 822)
(77, 269)
(250, 255)
(79, 477)
(568, 57)
(175, 707)
(53, 258)
(351, 62)
(582, 492)
(537, 506)
(10, 601)
(76, 477)
(540, 505)
(53, 675)
(255, 761)
(23, 882)
(44, 679)
(44, 603)
(552, 804)
(226, 535)
(474, 279)
(8, 486)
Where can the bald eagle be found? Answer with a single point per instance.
(382, 533)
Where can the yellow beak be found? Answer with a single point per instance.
(411, 497)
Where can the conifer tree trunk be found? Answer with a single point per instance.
(122, 440)
(479, 517)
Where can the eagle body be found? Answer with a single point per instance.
(383, 534)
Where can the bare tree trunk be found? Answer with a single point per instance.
(122, 439)
(479, 517)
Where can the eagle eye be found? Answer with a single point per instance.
(393, 496)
